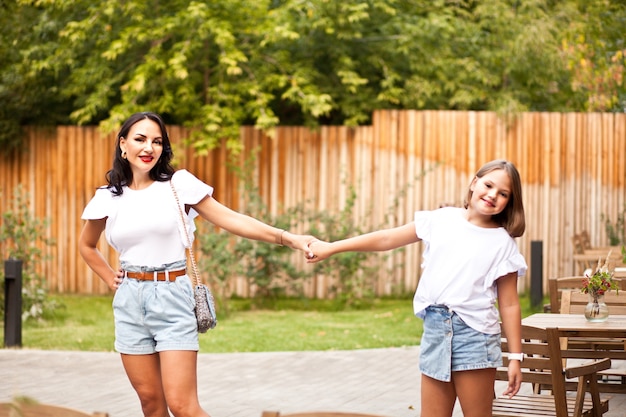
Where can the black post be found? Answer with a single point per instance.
(536, 272)
(12, 303)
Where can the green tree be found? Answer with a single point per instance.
(216, 65)
(594, 50)
(26, 97)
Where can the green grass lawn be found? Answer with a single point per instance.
(86, 323)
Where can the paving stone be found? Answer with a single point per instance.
(378, 381)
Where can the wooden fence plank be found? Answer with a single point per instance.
(573, 168)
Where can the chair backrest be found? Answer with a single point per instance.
(318, 414)
(574, 302)
(542, 365)
(586, 256)
(27, 409)
(620, 273)
(556, 287)
(581, 242)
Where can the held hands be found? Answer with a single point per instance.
(320, 250)
(314, 249)
(299, 242)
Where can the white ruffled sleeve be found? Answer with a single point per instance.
(423, 224)
(100, 205)
(189, 188)
(514, 263)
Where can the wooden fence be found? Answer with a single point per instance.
(573, 168)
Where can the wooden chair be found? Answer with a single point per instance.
(556, 286)
(318, 414)
(586, 256)
(588, 261)
(574, 302)
(543, 366)
(33, 409)
(582, 244)
(620, 273)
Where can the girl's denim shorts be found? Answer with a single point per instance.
(154, 316)
(449, 345)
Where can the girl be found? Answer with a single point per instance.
(155, 325)
(470, 261)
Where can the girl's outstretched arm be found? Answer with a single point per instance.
(510, 312)
(380, 240)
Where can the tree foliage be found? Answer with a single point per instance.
(215, 65)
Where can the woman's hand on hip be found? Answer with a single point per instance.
(117, 280)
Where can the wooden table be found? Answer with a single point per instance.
(576, 325)
(584, 340)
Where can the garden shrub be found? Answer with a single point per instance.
(269, 269)
(23, 236)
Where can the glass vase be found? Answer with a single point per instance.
(596, 309)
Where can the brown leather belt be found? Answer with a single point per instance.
(160, 275)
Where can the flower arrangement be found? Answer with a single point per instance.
(596, 285)
(600, 281)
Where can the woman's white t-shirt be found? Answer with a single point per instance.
(461, 264)
(145, 226)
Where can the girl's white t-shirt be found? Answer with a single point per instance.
(461, 263)
(145, 226)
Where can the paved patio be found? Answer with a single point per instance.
(379, 381)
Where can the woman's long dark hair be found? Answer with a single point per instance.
(121, 174)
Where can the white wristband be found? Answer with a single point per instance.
(516, 356)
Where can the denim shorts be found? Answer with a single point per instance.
(449, 345)
(153, 316)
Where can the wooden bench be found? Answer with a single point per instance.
(543, 367)
(34, 409)
(613, 379)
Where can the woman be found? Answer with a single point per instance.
(155, 325)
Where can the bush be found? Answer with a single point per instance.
(615, 231)
(269, 269)
(352, 273)
(23, 236)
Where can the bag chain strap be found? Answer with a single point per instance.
(194, 267)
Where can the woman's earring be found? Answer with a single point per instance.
(124, 154)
